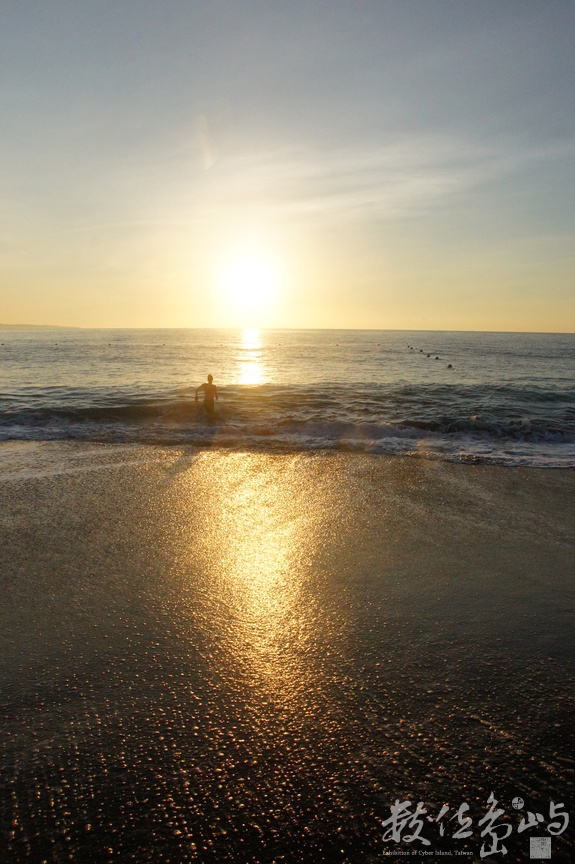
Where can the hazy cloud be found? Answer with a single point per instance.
(402, 180)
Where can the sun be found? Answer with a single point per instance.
(250, 282)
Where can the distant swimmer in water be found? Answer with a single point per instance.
(210, 393)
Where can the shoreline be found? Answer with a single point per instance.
(259, 446)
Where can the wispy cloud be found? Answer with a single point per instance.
(403, 180)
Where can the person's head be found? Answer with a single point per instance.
(210, 379)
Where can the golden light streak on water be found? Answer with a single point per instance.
(251, 338)
(250, 366)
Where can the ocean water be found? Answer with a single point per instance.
(480, 397)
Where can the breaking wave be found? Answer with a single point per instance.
(512, 426)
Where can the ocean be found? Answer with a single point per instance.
(503, 398)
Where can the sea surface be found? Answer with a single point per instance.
(503, 398)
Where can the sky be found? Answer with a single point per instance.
(395, 164)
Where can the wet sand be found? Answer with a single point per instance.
(233, 657)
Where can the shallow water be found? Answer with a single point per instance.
(507, 398)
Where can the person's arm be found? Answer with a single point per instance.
(201, 387)
(216, 392)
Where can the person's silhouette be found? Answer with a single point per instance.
(210, 393)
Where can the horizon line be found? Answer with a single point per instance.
(292, 329)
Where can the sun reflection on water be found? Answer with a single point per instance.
(251, 338)
(250, 369)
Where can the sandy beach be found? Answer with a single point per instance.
(233, 656)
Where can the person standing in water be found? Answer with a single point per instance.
(210, 393)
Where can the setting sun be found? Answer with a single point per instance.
(250, 282)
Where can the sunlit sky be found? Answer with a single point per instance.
(391, 164)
